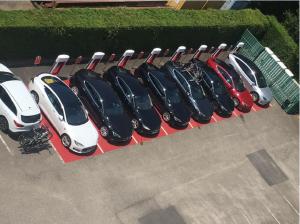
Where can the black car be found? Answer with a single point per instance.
(136, 98)
(199, 104)
(213, 86)
(103, 104)
(165, 95)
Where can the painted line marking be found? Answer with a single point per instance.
(59, 156)
(191, 125)
(270, 105)
(254, 108)
(214, 118)
(6, 146)
(291, 205)
(234, 113)
(164, 130)
(136, 142)
(272, 215)
(100, 148)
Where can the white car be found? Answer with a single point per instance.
(65, 112)
(18, 111)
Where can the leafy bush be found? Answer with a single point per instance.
(277, 38)
(25, 34)
(291, 23)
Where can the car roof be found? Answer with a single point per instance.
(64, 93)
(132, 82)
(231, 71)
(162, 78)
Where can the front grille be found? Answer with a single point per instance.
(31, 119)
(89, 149)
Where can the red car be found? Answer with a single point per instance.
(240, 95)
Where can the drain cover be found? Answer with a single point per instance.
(267, 167)
(162, 216)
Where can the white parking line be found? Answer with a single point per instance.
(100, 148)
(164, 130)
(214, 118)
(6, 146)
(191, 125)
(253, 108)
(234, 113)
(56, 152)
(136, 142)
(270, 105)
(272, 214)
(295, 210)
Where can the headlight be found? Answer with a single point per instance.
(78, 143)
(145, 127)
(115, 134)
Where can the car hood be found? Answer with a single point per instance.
(121, 125)
(150, 119)
(205, 106)
(225, 101)
(86, 134)
(181, 112)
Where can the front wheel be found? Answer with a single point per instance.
(166, 116)
(66, 141)
(135, 123)
(254, 96)
(3, 124)
(104, 131)
(236, 102)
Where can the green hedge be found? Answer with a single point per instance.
(25, 34)
(277, 38)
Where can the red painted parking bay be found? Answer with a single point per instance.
(103, 146)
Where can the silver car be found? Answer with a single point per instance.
(252, 77)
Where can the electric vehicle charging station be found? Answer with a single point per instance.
(95, 60)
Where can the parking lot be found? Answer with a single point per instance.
(242, 169)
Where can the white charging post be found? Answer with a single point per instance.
(219, 50)
(238, 47)
(177, 54)
(125, 57)
(198, 53)
(59, 63)
(151, 57)
(96, 58)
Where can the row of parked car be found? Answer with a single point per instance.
(119, 102)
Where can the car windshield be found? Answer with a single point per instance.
(75, 113)
(219, 88)
(197, 91)
(4, 76)
(261, 82)
(173, 96)
(143, 102)
(113, 107)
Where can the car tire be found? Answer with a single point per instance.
(3, 124)
(166, 116)
(66, 140)
(135, 123)
(236, 102)
(35, 96)
(255, 96)
(104, 131)
(75, 90)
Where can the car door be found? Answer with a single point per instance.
(125, 94)
(225, 77)
(247, 76)
(55, 112)
(93, 102)
(158, 92)
(7, 107)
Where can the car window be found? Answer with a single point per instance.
(54, 101)
(225, 75)
(157, 84)
(93, 94)
(246, 69)
(182, 80)
(5, 76)
(124, 88)
(207, 81)
(7, 100)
